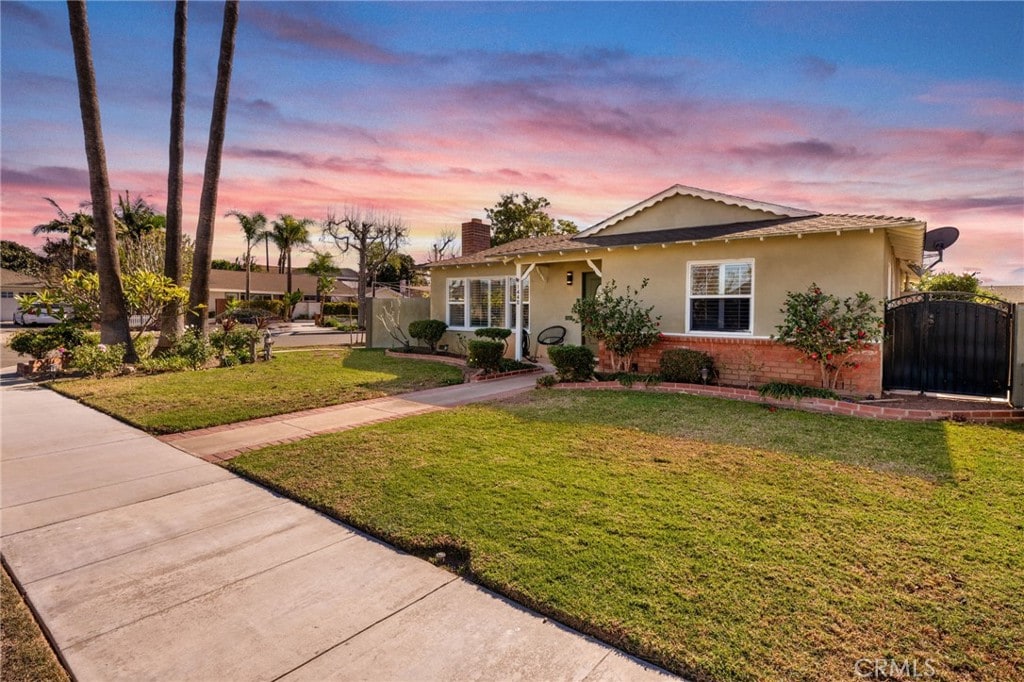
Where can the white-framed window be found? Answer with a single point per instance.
(720, 297)
(485, 302)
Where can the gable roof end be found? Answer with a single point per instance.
(684, 190)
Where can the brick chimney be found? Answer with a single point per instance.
(476, 236)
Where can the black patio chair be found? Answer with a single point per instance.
(552, 336)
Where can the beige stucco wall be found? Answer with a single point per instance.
(686, 211)
(840, 264)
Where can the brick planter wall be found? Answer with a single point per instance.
(752, 362)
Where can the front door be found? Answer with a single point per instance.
(591, 281)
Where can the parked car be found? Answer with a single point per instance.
(40, 316)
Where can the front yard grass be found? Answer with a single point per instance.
(718, 539)
(25, 654)
(292, 381)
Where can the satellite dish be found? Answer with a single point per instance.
(936, 241)
(940, 239)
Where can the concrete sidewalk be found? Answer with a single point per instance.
(147, 563)
(221, 443)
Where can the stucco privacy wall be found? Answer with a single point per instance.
(405, 310)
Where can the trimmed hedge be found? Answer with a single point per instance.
(683, 365)
(573, 363)
(494, 333)
(349, 308)
(38, 343)
(485, 355)
(428, 331)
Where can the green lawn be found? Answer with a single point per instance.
(26, 655)
(719, 539)
(292, 381)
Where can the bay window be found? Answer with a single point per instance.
(490, 302)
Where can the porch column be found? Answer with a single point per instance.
(519, 312)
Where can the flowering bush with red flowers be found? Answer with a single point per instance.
(827, 330)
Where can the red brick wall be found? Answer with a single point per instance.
(752, 362)
(476, 236)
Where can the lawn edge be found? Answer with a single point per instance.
(41, 627)
(460, 564)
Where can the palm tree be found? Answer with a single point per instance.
(253, 227)
(113, 308)
(199, 291)
(172, 322)
(136, 217)
(77, 226)
(290, 232)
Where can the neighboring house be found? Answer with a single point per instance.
(1008, 292)
(230, 284)
(719, 268)
(15, 284)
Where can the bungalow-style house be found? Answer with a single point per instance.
(14, 284)
(719, 268)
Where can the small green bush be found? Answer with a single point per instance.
(784, 391)
(546, 381)
(573, 363)
(194, 348)
(485, 355)
(236, 344)
(98, 360)
(683, 365)
(428, 332)
(164, 363)
(39, 343)
(346, 308)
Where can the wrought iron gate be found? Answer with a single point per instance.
(948, 342)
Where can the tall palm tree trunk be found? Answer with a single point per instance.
(199, 291)
(172, 320)
(113, 309)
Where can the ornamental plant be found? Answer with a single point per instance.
(827, 330)
(429, 332)
(621, 322)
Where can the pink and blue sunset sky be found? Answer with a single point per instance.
(431, 110)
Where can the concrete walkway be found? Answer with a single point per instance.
(144, 562)
(221, 443)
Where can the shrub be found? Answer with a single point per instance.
(783, 391)
(546, 381)
(346, 308)
(194, 348)
(39, 343)
(826, 330)
(164, 363)
(235, 344)
(485, 355)
(428, 332)
(683, 365)
(493, 333)
(621, 322)
(573, 363)
(98, 360)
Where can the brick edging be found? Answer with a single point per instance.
(811, 404)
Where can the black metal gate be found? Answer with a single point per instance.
(948, 342)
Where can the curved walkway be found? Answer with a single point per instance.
(146, 563)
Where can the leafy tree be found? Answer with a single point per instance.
(321, 265)
(77, 226)
(113, 308)
(827, 330)
(518, 216)
(968, 283)
(58, 256)
(374, 237)
(223, 264)
(290, 232)
(199, 292)
(149, 253)
(19, 258)
(400, 267)
(253, 226)
(622, 323)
